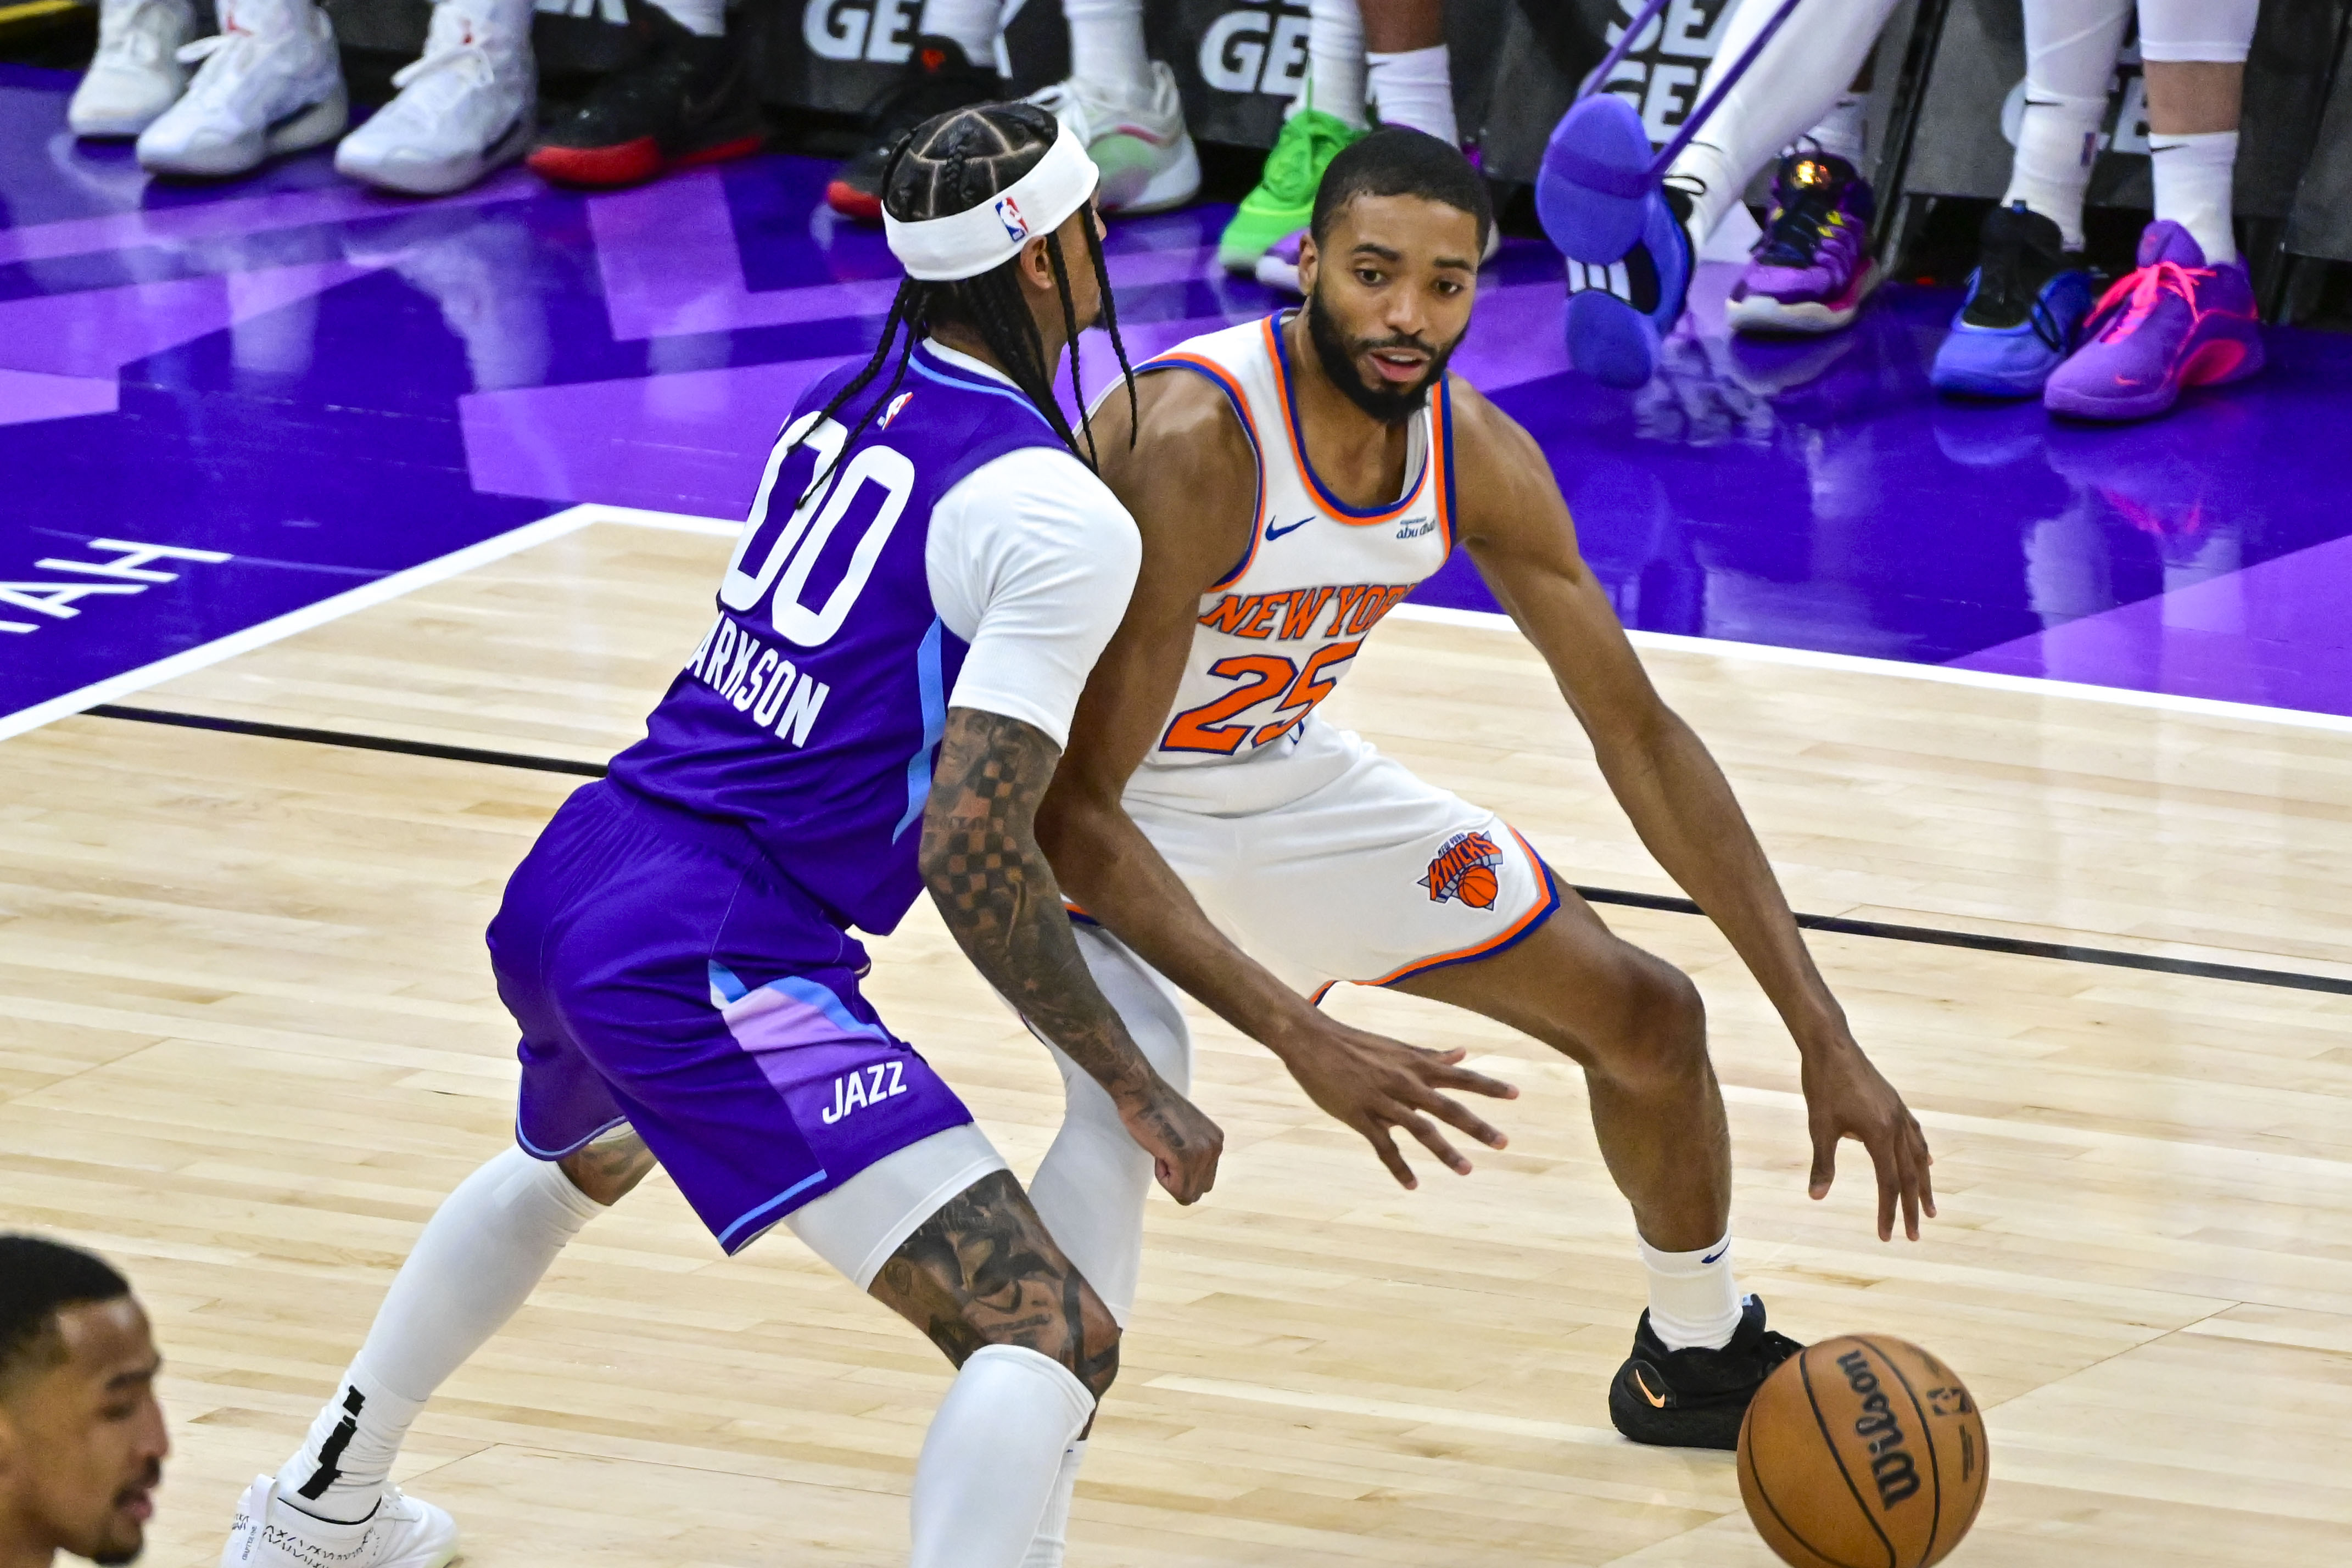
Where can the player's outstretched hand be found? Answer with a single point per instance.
(1374, 1083)
(1846, 1097)
(1184, 1144)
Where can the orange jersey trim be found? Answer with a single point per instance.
(1240, 400)
(1332, 506)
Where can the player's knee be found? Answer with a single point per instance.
(607, 1170)
(1662, 1037)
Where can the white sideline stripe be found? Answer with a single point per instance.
(1854, 664)
(572, 519)
(1392, 1410)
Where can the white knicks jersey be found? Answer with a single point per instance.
(1276, 634)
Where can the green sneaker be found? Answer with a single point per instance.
(1285, 197)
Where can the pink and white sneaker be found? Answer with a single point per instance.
(2175, 322)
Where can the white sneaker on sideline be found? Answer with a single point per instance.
(468, 105)
(136, 73)
(1145, 155)
(270, 83)
(402, 1533)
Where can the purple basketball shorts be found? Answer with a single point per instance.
(665, 976)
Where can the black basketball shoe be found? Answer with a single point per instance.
(684, 99)
(938, 77)
(1695, 1399)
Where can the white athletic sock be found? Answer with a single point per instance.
(1107, 45)
(703, 18)
(1694, 1300)
(475, 1261)
(994, 1457)
(1843, 131)
(2070, 57)
(1415, 88)
(2192, 187)
(1335, 60)
(1090, 1188)
(1805, 69)
(975, 25)
(1052, 1537)
(2057, 140)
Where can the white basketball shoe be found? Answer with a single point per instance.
(136, 73)
(401, 1533)
(1140, 146)
(468, 105)
(270, 83)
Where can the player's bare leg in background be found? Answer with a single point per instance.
(1636, 1026)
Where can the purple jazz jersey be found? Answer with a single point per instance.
(812, 711)
(676, 946)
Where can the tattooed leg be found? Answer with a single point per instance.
(1035, 1348)
(609, 1169)
(983, 1271)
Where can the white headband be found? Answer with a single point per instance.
(967, 244)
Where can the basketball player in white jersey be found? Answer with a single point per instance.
(1292, 479)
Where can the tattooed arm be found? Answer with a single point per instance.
(992, 886)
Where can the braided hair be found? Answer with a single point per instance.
(951, 163)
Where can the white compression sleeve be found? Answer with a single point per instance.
(1053, 1538)
(472, 1267)
(971, 23)
(1415, 88)
(992, 1458)
(2070, 53)
(1090, 1188)
(1335, 60)
(1107, 45)
(1804, 70)
(704, 18)
(2183, 30)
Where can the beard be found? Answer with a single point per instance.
(1389, 404)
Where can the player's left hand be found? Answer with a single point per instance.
(1846, 1097)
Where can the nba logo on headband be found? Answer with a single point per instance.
(991, 231)
(1008, 213)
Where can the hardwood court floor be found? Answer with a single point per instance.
(248, 1040)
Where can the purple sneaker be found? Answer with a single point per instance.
(2174, 323)
(1813, 269)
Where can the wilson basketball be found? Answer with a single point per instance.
(1863, 1452)
(1478, 887)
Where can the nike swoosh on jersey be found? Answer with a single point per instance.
(1273, 533)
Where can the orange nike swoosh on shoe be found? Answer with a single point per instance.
(1657, 1401)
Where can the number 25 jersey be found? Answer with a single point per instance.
(1277, 634)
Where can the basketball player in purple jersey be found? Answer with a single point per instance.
(1292, 483)
(926, 577)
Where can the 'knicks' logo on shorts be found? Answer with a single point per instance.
(1465, 869)
(1008, 213)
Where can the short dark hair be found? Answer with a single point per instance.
(1396, 162)
(39, 1279)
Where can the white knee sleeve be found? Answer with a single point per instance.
(1802, 73)
(475, 1263)
(992, 1457)
(1090, 1188)
(1334, 56)
(2182, 30)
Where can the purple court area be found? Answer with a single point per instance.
(221, 404)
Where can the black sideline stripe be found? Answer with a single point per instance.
(342, 737)
(1932, 935)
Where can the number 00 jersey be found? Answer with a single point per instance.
(1277, 634)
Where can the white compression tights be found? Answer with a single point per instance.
(1090, 1188)
(1801, 76)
